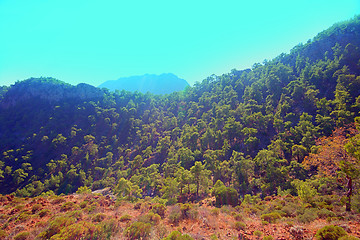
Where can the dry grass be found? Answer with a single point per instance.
(205, 221)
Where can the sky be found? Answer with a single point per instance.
(92, 41)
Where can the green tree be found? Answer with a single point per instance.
(200, 176)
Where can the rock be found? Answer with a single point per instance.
(297, 232)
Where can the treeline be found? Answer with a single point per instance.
(250, 129)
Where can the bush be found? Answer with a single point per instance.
(175, 215)
(125, 218)
(3, 234)
(290, 209)
(225, 195)
(77, 214)
(268, 237)
(83, 190)
(308, 216)
(80, 230)
(58, 200)
(55, 227)
(107, 229)
(347, 237)
(185, 210)
(188, 211)
(238, 217)
(215, 212)
(151, 218)
(43, 212)
(258, 233)
(325, 213)
(271, 217)
(176, 235)
(22, 217)
(35, 208)
(137, 205)
(239, 225)
(330, 232)
(22, 236)
(99, 217)
(67, 206)
(138, 230)
(84, 204)
(159, 209)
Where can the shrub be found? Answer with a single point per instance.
(225, 195)
(325, 213)
(264, 222)
(67, 206)
(185, 210)
(43, 212)
(83, 190)
(268, 237)
(159, 209)
(290, 209)
(176, 235)
(215, 212)
(22, 236)
(58, 200)
(84, 204)
(77, 214)
(19, 208)
(22, 217)
(3, 234)
(239, 225)
(330, 232)
(55, 227)
(188, 211)
(125, 218)
(175, 215)
(137, 205)
(35, 208)
(239, 217)
(107, 229)
(151, 218)
(348, 237)
(308, 216)
(138, 230)
(80, 230)
(99, 217)
(258, 233)
(271, 217)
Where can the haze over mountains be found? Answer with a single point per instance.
(165, 83)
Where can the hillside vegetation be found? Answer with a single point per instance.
(286, 127)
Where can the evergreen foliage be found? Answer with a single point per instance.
(249, 129)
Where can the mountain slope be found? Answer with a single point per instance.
(156, 84)
(250, 129)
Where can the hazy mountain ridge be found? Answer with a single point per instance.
(165, 83)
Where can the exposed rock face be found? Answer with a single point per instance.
(48, 89)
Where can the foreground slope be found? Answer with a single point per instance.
(93, 216)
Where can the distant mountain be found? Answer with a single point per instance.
(158, 84)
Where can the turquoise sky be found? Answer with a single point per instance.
(93, 41)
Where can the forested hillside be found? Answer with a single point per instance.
(250, 129)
